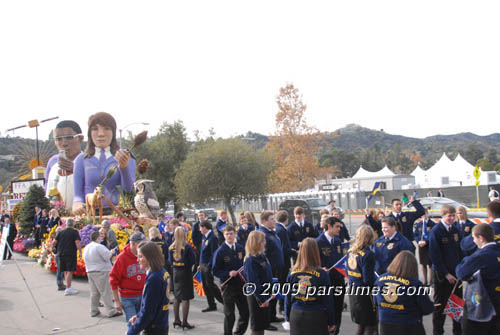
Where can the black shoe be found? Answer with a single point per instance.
(61, 287)
(177, 323)
(187, 326)
(271, 328)
(209, 309)
(277, 319)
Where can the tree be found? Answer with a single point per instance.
(165, 152)
(227, 170)
(485, 164)
(346, 163)
(35, 197)
(473, 153)
(294, 145)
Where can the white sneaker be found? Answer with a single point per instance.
(70, 291)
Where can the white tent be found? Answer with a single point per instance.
(362, 173)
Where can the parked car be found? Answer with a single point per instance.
(434, 205)
(312, 207)
(211, 214)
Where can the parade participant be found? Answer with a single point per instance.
(321, 225)
(330, 251)
(463, 223)
(307, 312)
(127, 279)
(344, 233)
(208, 247)
(445, 255)
(103, 239)
(97, 263)
(281, 231)
(68, 139)
(487, 260)
(374, 219)
(11, 236)
(251, 219)
(361, 273)
(493, 209)
(257, 270)
(101, 154)
(196, 237)
(244, 230)
(156, 237)
(54, 219)
(40, 225)
(274, 253)
(169, 234)
(406, 219)
(219, 226)
(152, 318)
(67, 243)
(181, 257)
(228, 260)
(389, 245)
(300, 228)
(401, 312)
(421, 234)
(110, 234)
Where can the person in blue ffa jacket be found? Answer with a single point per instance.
(344, 233)
(257, 271)
(361, 272)
(372, 219)
(152, 317)
(401, 311)
(463, 223)
(330, 251)
(156, 237)
(389, 245)
(307, 310)
(196, 237)
(281, 231)
(244, 230)
(181, 257)
(228, 260)
(39, 226)
(274, 253)
(487, 260)
(11, 236)
(493, 209)
(219, 226)
(445, 255)
(209, 245)
(320, 226)
(406, 219)
(299, 229)
(421, 234)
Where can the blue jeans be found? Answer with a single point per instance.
(131, 307)
(60, 274)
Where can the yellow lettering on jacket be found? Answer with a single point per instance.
(354, 274)
(398, 307)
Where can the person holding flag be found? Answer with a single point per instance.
(361, 272)
(376, 188)
(483, 267)
(181, 257)
(406, 219)
(331, 252)
(445, 255)
(421, 233)
(257, 271)
(299, 229)
(227, 266)
(306, 309)
(401, 312)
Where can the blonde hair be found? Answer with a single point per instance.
(464, 210)
(154, 233)
(365, 236)
(255, 239)
(308, 258)
(179, 241)
(54, 212)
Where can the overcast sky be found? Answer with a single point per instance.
(416, 68)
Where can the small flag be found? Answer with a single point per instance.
(455, 307)
(198, 285)
(162, 226)
(479, 307)
(340, 266)
(376, 188)
(221, 227)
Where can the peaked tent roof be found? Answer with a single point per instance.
(362, 173)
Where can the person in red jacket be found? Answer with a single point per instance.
(127, 279)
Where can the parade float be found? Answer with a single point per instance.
(105, 188)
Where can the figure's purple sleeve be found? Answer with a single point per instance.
(53, 160)
(127, 176)
(79, 180)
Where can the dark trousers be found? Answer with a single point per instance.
(308, 322)
(211, 290)
(470, 327)
(282, 279)
(395, 329)
(233, 295)
(155, 331)
(272, 304)
(197, 258)
(338, 302)
(442, 291)
(39, 235)
(10, 243)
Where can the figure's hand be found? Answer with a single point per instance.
(451, 279)
(422, 243)
(411, 199)
(233, 273)
(122, 157)
(132, 319)
(78, 208)
(264, 305)
(118, 306)
(66, 164)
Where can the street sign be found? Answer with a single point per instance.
(478, 183)
(477, 173)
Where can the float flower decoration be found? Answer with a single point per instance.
(122, 238)
(85, 233)
(120, 221)
(19, 245)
